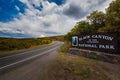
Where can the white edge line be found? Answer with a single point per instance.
(27, 58)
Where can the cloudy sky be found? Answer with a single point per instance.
(39, 18)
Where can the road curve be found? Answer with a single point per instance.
(14, 66)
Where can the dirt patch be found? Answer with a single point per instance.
(69, 67)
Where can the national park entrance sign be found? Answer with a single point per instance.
(105, 42)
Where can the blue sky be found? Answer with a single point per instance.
(8, 9)
(38, 18)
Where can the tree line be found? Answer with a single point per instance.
(98, 21)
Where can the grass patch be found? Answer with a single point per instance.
(75, 68)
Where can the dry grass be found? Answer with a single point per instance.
(67, 67)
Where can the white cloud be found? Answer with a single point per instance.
(17, 8)
(52, 19)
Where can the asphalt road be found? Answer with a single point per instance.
(28, 64)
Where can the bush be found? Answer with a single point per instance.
(16, 44)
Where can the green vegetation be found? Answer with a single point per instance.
(99, 21)
(64, 48)
(9, 44)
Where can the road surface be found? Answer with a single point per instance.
(29, 64)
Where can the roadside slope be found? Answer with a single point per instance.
(69, 67)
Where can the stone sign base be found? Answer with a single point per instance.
(112, 58)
